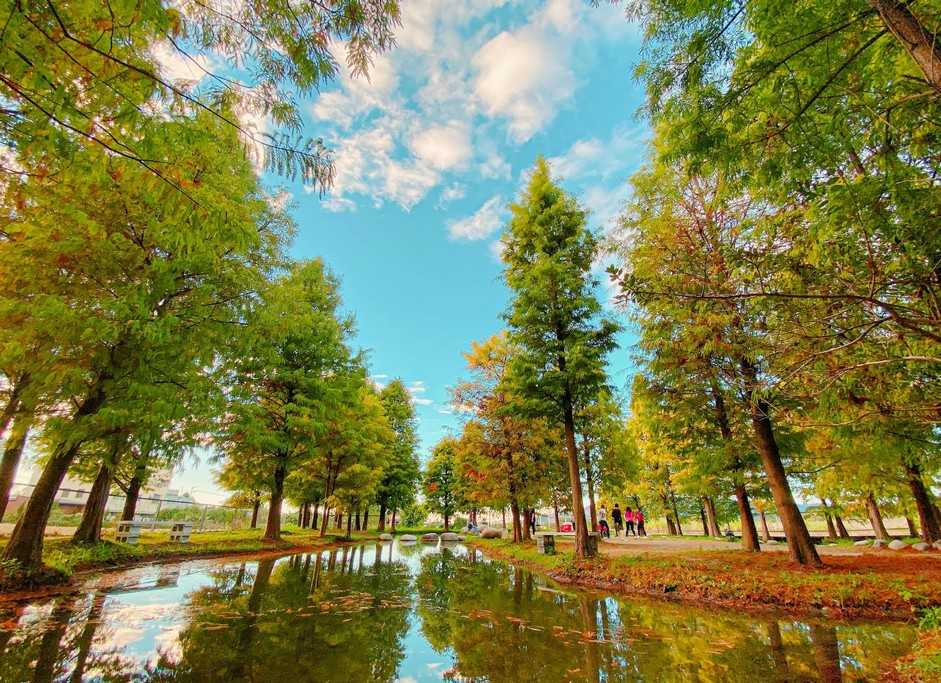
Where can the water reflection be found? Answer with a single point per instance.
(396, 612)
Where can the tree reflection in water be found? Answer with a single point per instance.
(388, 612)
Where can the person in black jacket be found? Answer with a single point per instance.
(618, 519)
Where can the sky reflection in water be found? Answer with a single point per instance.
(409, 613)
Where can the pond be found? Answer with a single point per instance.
(408, 613)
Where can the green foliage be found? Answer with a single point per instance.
(440, 485)
(402, 470)
(555, 311)
(86, 73)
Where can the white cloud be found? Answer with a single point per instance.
(496, 250)
(445, 412)
(482, 224)
(522, 76)
(452, 193)
(442, 147)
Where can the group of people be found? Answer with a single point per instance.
(626, 519)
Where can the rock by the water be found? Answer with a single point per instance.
(460, 538)
(937, 545)
(408, 537)
(771, 542)
(449, 536)
(386, 537)
(879, 543)
(863, 542)
(921, 546)
(429, 538)
(898, 545)
(490, 532)
(831, 545)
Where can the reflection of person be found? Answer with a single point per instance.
(603, 522)
(617, 519)
(640, 523)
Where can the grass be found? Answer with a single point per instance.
(898, 586)
(61, 559)
(924, 663)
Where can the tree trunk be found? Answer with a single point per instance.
(927, 520)
(875, 518)
(555, 509)
(913, 37)
(382, 518)
(89, 529)
(12, 407)
(702, 518)
(256, 504)
(447, 527)
(671, 528)
(831, 530)
(912, 531)
(840, 527)
(517, 525)
(590, 481)
(676, 514)
(325, 521)
(273, 524)
(349, 525)
(392, 529)
(582, 549)
(132, 494)
(765, 534)
(747, 520)
(12, 453)
(366, 519)
(359, 520)
(25, 545)
(316, 516)
(710, 506)
(800, 545)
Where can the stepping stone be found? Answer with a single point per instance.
(866, 542)
(408, 537)
(898, 545)
(430, 538)
(937, 545)
(921, 546)
(879, 543)
(448, 536)
(386, 537)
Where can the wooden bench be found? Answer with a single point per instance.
(545, 544)
(128, 531)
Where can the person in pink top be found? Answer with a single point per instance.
(639, 518)
(628, 522)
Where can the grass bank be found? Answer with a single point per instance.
(897, 587)
(61, 559)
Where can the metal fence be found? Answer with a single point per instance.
(70, 503)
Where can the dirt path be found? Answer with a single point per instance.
(618, 546)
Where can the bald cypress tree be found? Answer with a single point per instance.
(555, 315)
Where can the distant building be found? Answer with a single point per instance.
(72, 496)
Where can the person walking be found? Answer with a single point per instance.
(640, 523)
(603, 523)
(629, 522)
(618, 519)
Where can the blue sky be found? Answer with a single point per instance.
(429, 153)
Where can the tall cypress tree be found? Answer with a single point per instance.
(555, 315)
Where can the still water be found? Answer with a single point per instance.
(408, 613)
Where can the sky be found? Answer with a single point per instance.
(431, 150)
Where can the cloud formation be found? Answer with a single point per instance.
(483, 223)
